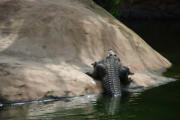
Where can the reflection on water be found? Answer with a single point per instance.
(74, 107)
(110, 105)
(159, 100)
(85, 107)
(161, 103)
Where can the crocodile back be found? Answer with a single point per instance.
(111, 80)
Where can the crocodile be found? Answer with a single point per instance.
(112, 74)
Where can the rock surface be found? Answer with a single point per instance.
(46, 46)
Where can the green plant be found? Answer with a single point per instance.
(111, 6)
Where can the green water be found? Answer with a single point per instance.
(160, 103)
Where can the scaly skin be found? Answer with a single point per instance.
(112, 74)
(111, 80)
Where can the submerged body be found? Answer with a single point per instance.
(112, 74)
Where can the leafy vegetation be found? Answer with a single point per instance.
(111, 6)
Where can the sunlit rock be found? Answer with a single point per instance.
(46, 46)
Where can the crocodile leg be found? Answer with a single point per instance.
(98, 72)
(123, 75)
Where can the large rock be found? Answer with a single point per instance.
(46, 46)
